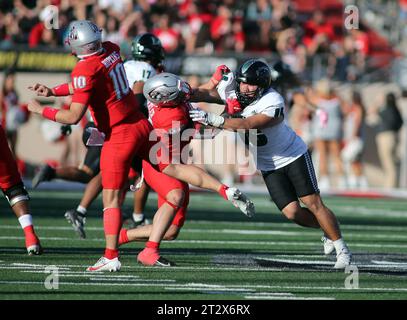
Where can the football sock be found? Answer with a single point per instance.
(28, 228)
(81, 209)
(112, 221)
(111, 253)
(152, 245)
(222, 191)
(123, 238)
(339, 245)
(138, 217)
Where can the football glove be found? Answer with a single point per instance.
(233, 106)
(206, 118)
(218, 74)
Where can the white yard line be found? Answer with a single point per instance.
(390, 263)
(288, 225)
(207, 287)
(254, 231)
(367, 212)
(219, 224)
(229, 242)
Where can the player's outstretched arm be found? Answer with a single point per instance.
(207, 92)
(205, 95)
(41, 90)
(215, 78)
(71, 116)
(258, 121)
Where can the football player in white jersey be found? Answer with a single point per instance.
(282, 156)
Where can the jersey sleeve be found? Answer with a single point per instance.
(271, 105)
(83, 83)
(138, 71)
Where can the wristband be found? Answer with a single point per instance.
(49, 113)
(61, 90)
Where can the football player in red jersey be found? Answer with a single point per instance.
(14, 190)
(169, 115)
(99, 82)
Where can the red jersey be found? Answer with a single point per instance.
(170, 124)
(100, 82)
(170, 118)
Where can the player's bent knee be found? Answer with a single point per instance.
(290, 215)
(291, 210)
(313, 202)
(16, 194)
(176, 197)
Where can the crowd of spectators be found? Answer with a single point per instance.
(200, 27)
(258, 27)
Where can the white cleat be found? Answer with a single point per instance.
(328, 245)
(105, 264)
(343, 259)
(241, 201)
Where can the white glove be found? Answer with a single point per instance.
(207, 118)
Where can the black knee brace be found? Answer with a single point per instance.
(16, 194)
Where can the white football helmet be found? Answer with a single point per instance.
(84, 38)
(166, 90)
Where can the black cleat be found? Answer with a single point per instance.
(77, 220)
(162, 262)
(45, 173)
(35, 250)
(130, 223)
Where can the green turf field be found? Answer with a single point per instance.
(220, 254)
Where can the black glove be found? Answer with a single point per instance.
(66, 129)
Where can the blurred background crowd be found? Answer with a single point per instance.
(294, 30)
(333, 108)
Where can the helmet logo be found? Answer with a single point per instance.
(73, 34)
(247, 65)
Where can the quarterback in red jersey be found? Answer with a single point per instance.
(99, 82)
(14, 190)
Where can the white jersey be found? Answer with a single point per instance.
(138, 71)
(277, 145)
